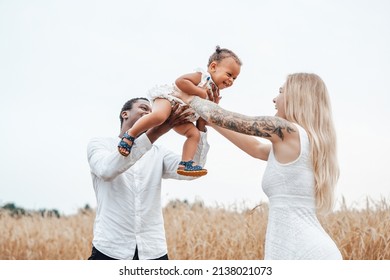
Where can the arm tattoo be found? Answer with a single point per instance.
(264, 126)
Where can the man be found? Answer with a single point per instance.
(129, 220)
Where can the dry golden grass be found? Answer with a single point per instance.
(361, 234)
(33, 237)
(200, 233)
(194, 232)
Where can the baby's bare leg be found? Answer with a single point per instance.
(190, 131)
(160, 112)
(187, 166)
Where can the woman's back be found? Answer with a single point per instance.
(293, 230)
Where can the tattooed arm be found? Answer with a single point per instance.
(272, 128)
(283, 134)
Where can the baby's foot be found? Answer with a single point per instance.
(187, 168)
(125, 145)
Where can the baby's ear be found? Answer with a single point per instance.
(213, 65)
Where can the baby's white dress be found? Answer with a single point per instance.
(166, 91)
(293, 230)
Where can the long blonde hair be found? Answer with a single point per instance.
(307, 103)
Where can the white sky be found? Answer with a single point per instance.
(67, 67)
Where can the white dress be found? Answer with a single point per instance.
(293, 230)
(166, 91)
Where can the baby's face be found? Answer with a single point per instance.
(225, 72)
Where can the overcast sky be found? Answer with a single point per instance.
(67, 67)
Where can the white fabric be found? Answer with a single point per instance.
(166, 91)
(293, 230)
(128, 194)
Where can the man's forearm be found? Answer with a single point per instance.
(156, 132)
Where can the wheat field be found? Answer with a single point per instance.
(194, 232)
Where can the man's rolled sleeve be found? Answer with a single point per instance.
(106, 162)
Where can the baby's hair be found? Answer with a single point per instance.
(221, 54)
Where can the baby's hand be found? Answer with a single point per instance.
(213, 93)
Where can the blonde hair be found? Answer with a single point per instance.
(307, 103)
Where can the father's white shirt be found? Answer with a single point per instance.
(128, 194)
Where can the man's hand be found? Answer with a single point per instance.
(176, 117)
(201, 125)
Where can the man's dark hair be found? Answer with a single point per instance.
(129, 105)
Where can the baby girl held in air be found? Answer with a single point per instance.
(223, 68)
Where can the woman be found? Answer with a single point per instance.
(302, 168)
